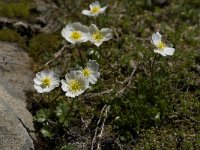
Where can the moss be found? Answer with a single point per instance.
(19, 9)
(11, 36)
(42, 46)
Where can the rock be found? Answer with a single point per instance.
(15, 120)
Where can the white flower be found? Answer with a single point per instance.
(46, 81)
(74, 85)
(95, 9)
(97, 36)
(162, 48)
(90, 72)
(75, 33)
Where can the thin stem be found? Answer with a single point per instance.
(49, 101)
(81, 58)
(152, 76)
(77, 46)
(71, 108)
(95, 20)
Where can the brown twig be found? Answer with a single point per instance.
(96, 130)
(129, 79)
(102, 126)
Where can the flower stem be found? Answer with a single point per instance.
(49, 101)
(77, 46)
(152, 76)
(81, 58)
(71, 108)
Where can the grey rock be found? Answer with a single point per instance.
(15, 120)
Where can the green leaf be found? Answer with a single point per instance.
(62, 111)
(46, 133)
(42, 115)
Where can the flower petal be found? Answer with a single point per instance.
(102, 10)
(169, 51)
(37, 81)
(107, 33)
(77, 26)
(96, 3)
(159, 52)
(69, 94)
(87, 13)
(93, 65)
(93, 28)
(156, 38)
(64, 86)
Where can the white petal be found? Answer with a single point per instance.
(69, 94)
(97, 43)
(97, 74)
(92, 79)
(94, 4)
(77, 26)
(71, 41)
(64, 85)
(55, 83)
(39, 75)
(37, 81)
(93, 28)
(87, 13)
(169, 51)
(159, 52)
(73, 74)
(93, 65)
(45, 73)
(85, 37)
(65, 32)
(38, 88)
(107, 33)
(156, 38)
(53, 75)
(48, 89)
(102, 10)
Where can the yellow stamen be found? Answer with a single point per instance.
(74, 85)
(95, 9)
(161, 45)
(97, 36)
(76, 35)
(46, 82)
(86, 72)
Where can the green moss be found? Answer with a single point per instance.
(11, 36)
(19, 9)
(42, 46)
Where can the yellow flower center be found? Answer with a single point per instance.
(74, 85)
(46, 82)
(95, 9)
(97, 36)
(86, 72)
(161, 45)
(76, 35)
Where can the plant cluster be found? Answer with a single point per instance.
(140, 91)
(20, 9)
